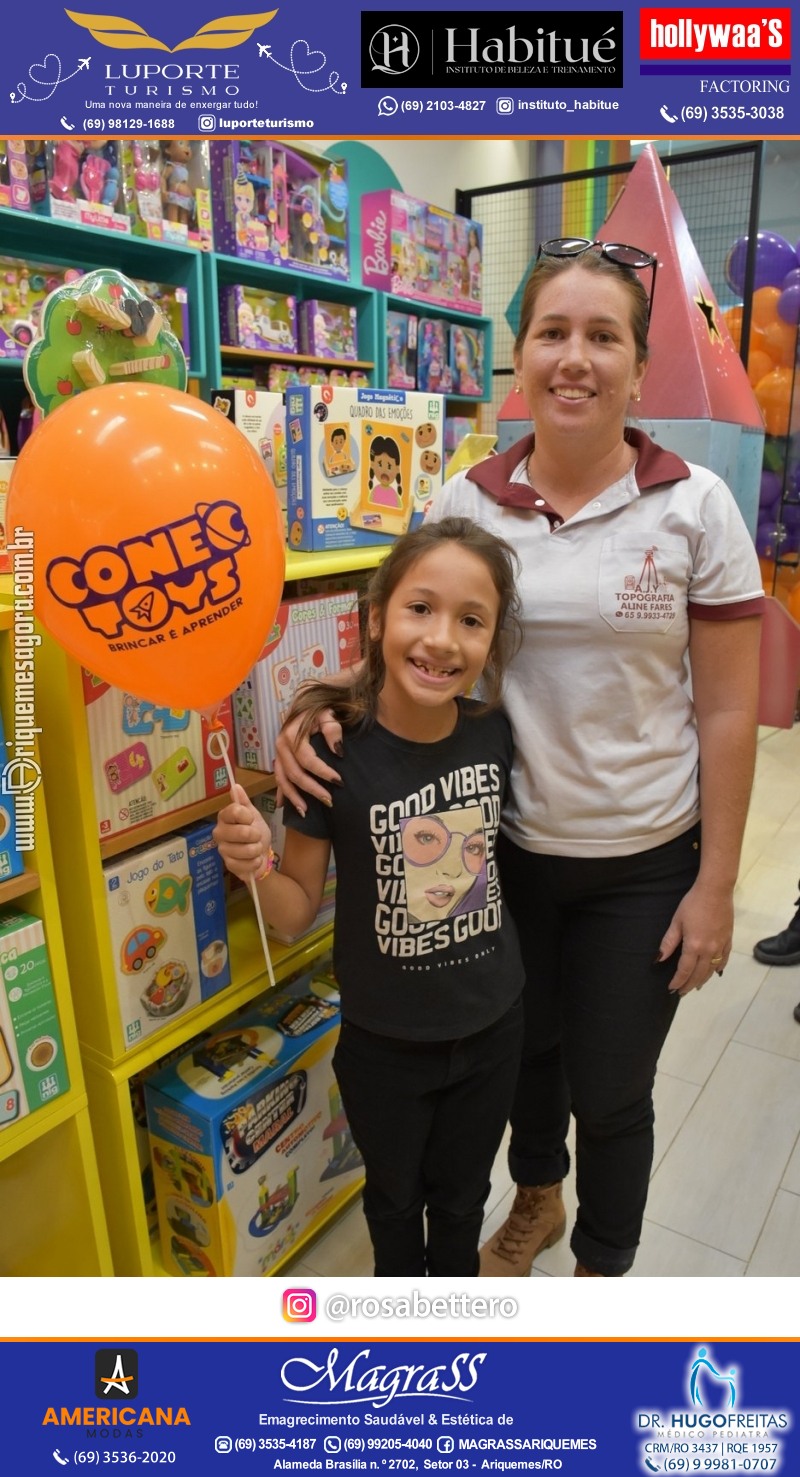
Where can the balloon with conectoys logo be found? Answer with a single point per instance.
(158, 548)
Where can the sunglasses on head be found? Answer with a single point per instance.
(623, 256)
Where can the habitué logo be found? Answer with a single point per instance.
(116, 1374)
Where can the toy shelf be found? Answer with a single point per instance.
(393, 303)
(311, 565)
(230, 352)
(254, 784)
(67, 244)
(48, 1169)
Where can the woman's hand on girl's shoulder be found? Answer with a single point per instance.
(298, 767)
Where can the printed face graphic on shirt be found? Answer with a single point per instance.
(444, 860)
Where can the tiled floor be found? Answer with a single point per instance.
(725, 1192)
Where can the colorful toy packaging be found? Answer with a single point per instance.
(15, 190)
(166, 910)
(148, 761)
(285, 206)
(82, 182)
(251, 1150)
(251, 318)
(421, 251)
(23, 288)
(167, 191)
(7, 464)
(11, 862)
(363, 464)
(402, 339)
(33, 1070)
(311, 638)
(433, 356)
(328, 330)
(260, 416)
(466, 359)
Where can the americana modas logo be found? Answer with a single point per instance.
(116, 1374)
(217, 35)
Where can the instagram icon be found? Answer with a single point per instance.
(299, 1305)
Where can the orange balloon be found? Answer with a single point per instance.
(733, 318)
(758, 364)
(158, 549)
(793, 602)
(764, 307)
(780, 341)
(774, 395)
(757, 340)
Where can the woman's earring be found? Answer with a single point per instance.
(637, 395)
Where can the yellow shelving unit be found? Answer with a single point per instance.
(53, 1222)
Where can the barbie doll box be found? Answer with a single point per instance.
(33, 1070)
(147, 760)
(250, 1147)
(363, 465)
(311, 638)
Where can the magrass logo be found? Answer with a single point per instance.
(526, 48)
(116, 1374)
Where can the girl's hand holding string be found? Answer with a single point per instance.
(244, 838)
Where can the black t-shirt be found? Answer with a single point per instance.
(424, 946)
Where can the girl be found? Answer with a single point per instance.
(385, 486)
(424, 950)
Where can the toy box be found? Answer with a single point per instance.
(401, 347)
(167, 190)
(310, 638)
(433, 356)
(260, 416)
(148, 761)
(251, 318)
(33, 1070)
(363, 464)
(328, 330)
(466, 359)
(83, 183)
(250, 1147)
(7, 464)
(15, 190)
(11, 862)
(281, 205)
(421, 251)
(166, 911)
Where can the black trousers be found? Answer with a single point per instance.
(597, 1013)
(428, 1117)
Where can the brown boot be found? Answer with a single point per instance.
(537, 1220)
(581, 1271)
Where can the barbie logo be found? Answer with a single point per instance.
(377, 233)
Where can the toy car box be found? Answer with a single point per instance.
(363, 464)
(11, 862)
(420, 251)
(250, 1147)
(148, 761)
(310, 638)
(260, 416)
(252, 318)
(166, 912)
(33, 1070)
(280, 205)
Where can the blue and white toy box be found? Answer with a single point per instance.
(251, 1150)
(363, 465)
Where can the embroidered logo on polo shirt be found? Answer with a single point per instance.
(640, 583)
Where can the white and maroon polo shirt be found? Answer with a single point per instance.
(599, 695)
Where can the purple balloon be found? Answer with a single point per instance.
(791, 277)
(771, 488)
(790, 518)
(789, 303)
(775, 256)
(766, 539)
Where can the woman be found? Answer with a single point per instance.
(633, 709)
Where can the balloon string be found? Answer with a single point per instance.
(252, 883)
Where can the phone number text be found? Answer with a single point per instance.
(126, 125)
(443, 105)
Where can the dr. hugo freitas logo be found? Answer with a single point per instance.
(713, 1416)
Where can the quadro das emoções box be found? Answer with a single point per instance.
(310, 638)
(33, 1070)
(363, 465)
(251, 1150)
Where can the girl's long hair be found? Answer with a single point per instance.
(358, 701)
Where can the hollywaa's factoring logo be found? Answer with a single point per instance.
(527, 48)
(698, 33)
(221, 34)
(143, 582)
